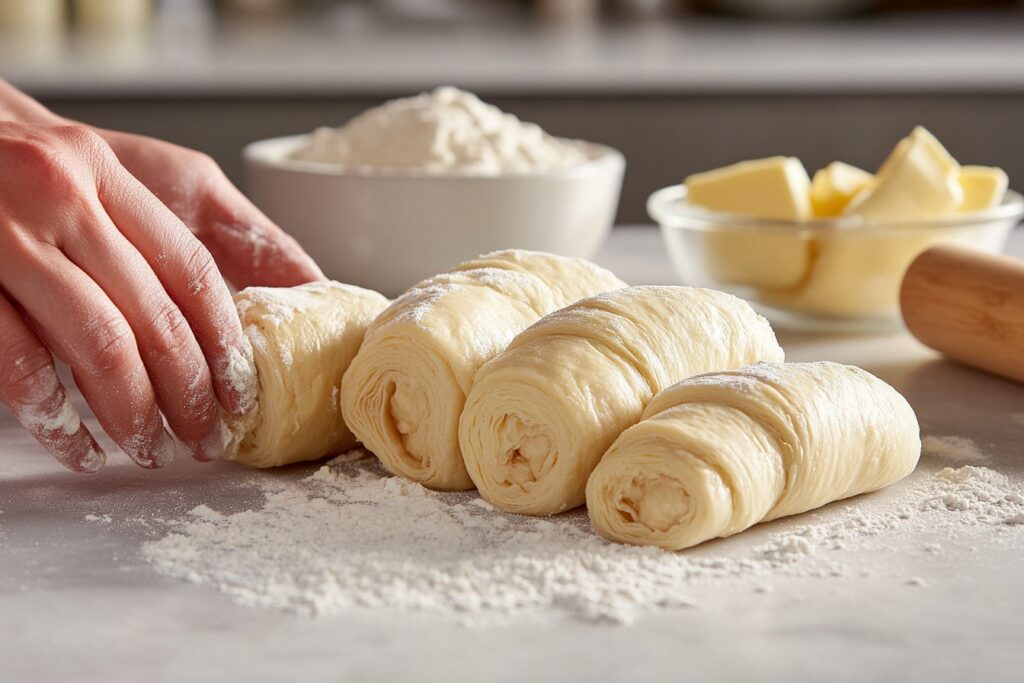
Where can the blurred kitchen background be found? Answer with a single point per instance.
(677, 85)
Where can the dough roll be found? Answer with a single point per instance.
(719, 453)
(404, 392)
(541, 414)
(303, 339)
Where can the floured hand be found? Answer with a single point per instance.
(97, 271)
(249, 249)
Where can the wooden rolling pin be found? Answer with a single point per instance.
(969, 306)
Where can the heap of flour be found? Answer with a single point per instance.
(350, 536)
(444, 131)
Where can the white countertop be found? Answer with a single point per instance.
(969, 53)
(78, 603)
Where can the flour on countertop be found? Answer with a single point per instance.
(351, 536)
(988, 496)
(955, 449)
(444, 131)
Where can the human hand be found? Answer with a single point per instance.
(248, 247)
(97, 270)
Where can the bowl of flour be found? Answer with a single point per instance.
(412, 187)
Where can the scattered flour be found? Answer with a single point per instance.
(955, 449)
(350, 536)
(444, 131)
(986, 495)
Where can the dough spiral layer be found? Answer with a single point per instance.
(404, 392)
(303, 339)
(719, 453)
(541, 414)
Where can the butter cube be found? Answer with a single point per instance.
(776, 187)
(767, 260)
(983, 187)
(835, 186)
(919, 178)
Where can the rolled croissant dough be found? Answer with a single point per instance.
(405, 390)
(541, 414)
(718, 453)
(303, 340)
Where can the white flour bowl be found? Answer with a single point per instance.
(387, 230)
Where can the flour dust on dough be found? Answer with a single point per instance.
(405, 390)
(303, 340)
(718, 453)
(541, 414)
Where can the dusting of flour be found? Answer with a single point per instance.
(955, 449)
(350, 536)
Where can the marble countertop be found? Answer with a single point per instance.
(947, 53)
(78, 603)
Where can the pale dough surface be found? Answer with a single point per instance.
(405, 390)
(541, 414)
(303, 340)
(718, 453)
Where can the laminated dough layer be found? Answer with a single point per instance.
(718, 453)
(303, 340)
(541, 414)
(405, 390)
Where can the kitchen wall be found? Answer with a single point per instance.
(663, 137)
(675, 95)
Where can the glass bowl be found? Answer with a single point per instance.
(841, 274)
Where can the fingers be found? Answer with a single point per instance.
(248, 247)
(29, 386)
(84, 328)
(78, 272)
(189, 276)
(17, 106)
(173, 358)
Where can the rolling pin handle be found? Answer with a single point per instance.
(969, 306)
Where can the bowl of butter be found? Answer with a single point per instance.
(829, 253)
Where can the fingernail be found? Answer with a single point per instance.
(61, 432)
(211, 447)
(92, 460)
(159, 454)
(84, 457)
